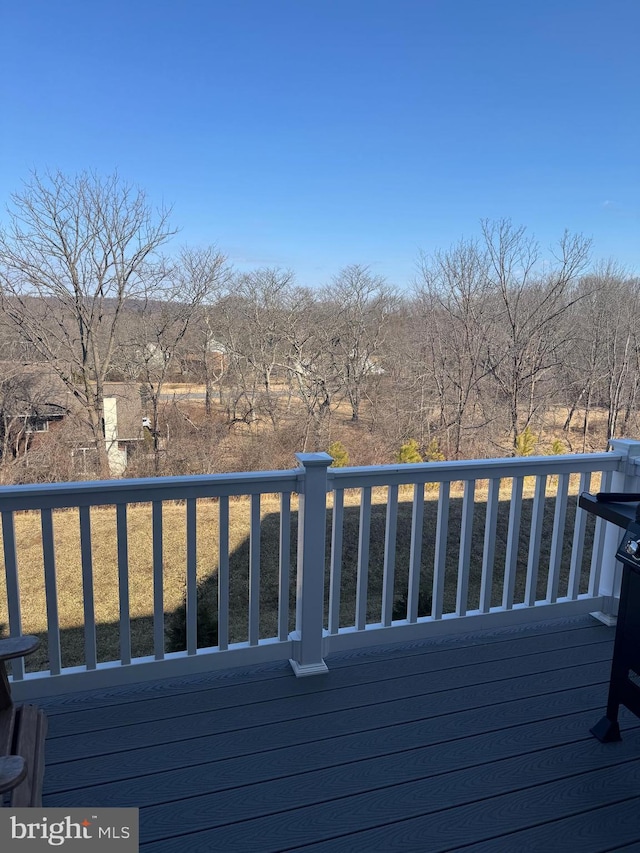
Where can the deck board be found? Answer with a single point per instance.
(584, 832)
(444, 668)
(326, 714)
(396, 757)
(304, 737)
(480, 742)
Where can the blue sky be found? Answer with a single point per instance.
(310, 134)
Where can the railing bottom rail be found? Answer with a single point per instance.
(449, 625)
(36, 685)
(107, 675)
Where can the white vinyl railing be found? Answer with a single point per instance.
(123, 495)
(539, 558)
(441, 547)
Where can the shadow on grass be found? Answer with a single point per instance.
(239, 560)
(72, 640)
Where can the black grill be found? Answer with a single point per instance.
(624, 510)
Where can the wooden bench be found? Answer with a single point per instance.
(23, 729)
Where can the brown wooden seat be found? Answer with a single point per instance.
(13, 769)
(23, 729)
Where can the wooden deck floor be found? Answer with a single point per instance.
(477, 743)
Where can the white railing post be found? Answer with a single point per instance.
(312, 514)
(625, 479)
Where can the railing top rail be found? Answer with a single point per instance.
(105, 492)
(472, 469)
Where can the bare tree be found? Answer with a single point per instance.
(531, 299)
(362, 304)
(73, 252)
(315, 376)
(620, 371)
(603, 360)
(19, 404)
(159, 321)
(212, 361)
(255, 317)
(453, 303)
(406, 393)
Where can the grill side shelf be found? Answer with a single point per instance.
(621, 514)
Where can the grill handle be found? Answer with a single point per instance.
(620, 498)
